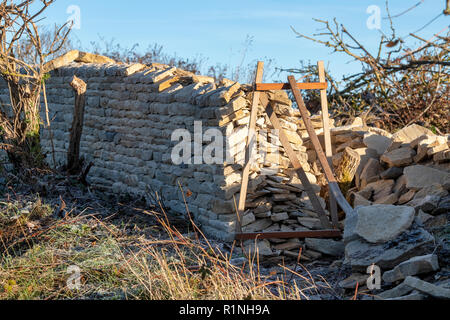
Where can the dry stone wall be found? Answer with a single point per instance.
(132, 112)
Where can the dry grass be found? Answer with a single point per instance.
(119, 261)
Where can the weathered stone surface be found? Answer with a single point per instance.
(289, 245)
(350, 223)
(133, 112)
(398, 291)
(370, 172)
(427, 204)
(258, 225)
(359, 201)
(326, 246)
(248, 219)
(311, 223)
(413, 296)
(434, 189)
(407, 197)
(412, 267)
(377, 142)
(382, 223)
(419, 177)
(399, 157)
(361, 254)
(353, 280)
(389, 199)
(62, 60)
(277, 217)
(427, 288)
(409, 134)
(261, 247)
(392, 173)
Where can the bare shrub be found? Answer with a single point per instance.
(397, 85)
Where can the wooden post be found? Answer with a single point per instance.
(296, 163)
(327, 138)
(73, 154)
(249, 147)
(334, 187)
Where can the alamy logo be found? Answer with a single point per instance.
(374, 280)
(74, 20)
(374, 21)
(74, 280)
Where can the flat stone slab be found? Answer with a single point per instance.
(399, 157)
(409, 134)
(361, 254)
(377, 142)
(398, 291)
(428, 288)
(261, 247)
(326, 246)
(382, 223)
(419, 177)
(412, 267)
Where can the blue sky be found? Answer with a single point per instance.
(217, 30)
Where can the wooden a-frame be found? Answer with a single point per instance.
(325, 158)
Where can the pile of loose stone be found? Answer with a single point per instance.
(402, 202)
(402, 208)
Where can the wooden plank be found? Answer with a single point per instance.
(251, 141)
(327, 138)
(334, 187)
(285, 86)
(296, 163)
(290, 235)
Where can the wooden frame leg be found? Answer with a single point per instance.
(327, 138)
(334, 187)
(249, 147)
(296, 163)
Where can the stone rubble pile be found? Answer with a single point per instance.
(401, 197)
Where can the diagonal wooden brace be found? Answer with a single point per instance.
(251, 140)
(296, 163)
(329, 175)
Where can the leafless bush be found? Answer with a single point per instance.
(397, 86)
(23, 65)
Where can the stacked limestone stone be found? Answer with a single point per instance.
(276, 199)
(131, 113)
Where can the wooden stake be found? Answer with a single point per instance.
(249, 148)
(327, 138)
(296, 163)
(73, 154)
(334, 187)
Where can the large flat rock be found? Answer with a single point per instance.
(399, 157)
(419, 177)
(326, 246)
(412, 267)
(428, 288)
(377, 142)
(382, 223)
(409, 134)
(361, 254)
